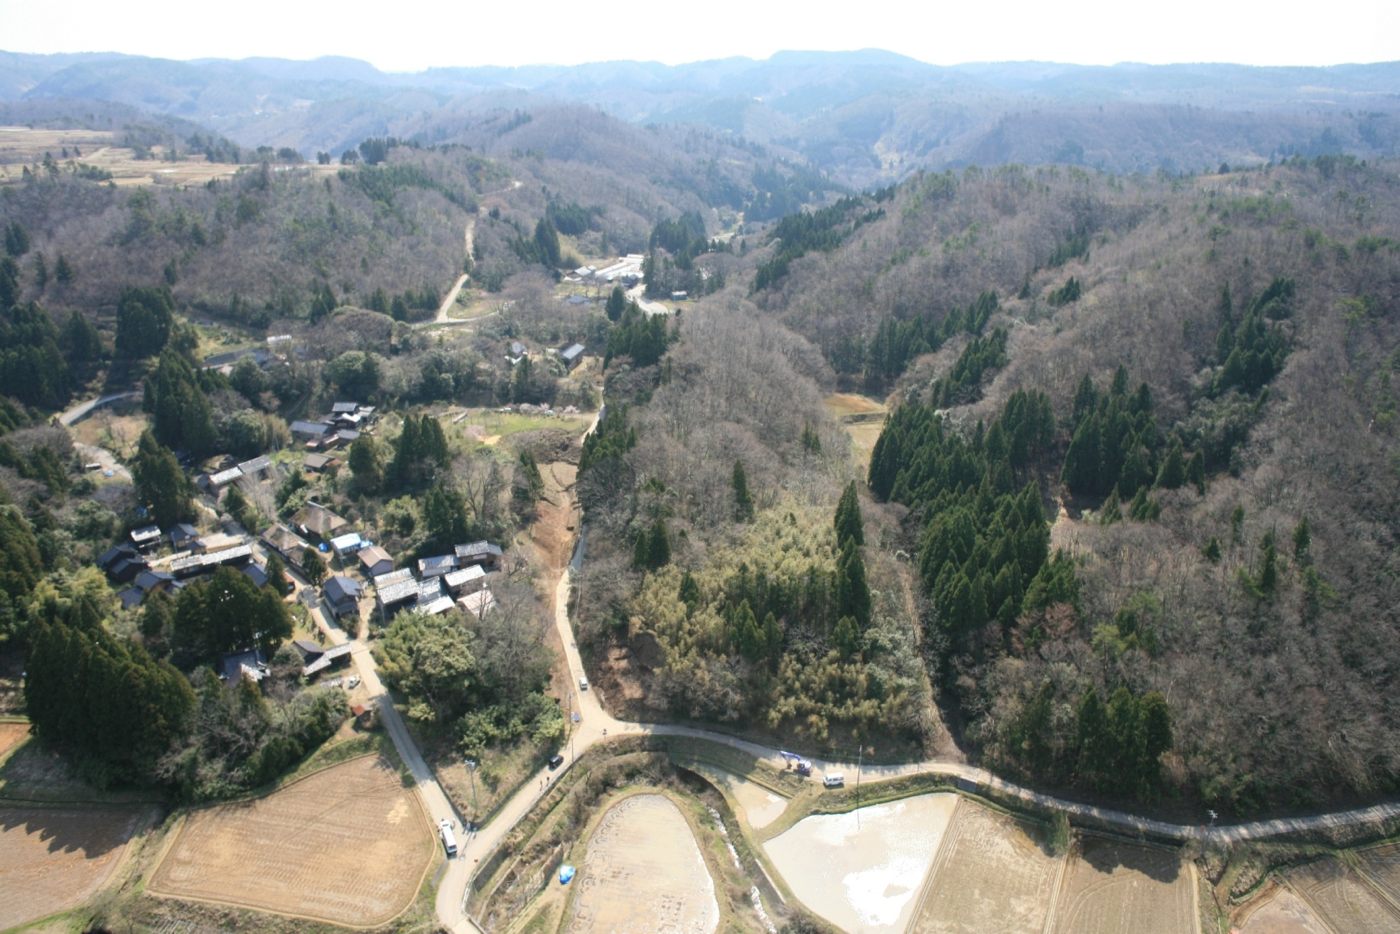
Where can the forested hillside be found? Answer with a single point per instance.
(864, 118)
(1191, 400)
(253, 249)
(1140, 482)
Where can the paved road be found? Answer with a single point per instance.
(434, 799)
(598, 726)
(638, 294)
(80, 411)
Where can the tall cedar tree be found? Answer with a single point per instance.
(849, 523)
(617, 304)
(852, 591)
(366, 465)
(743, 502)
(160, 483)
(229, 613)
(144, 320)
(181, 414)
(105, 698)
(313, 566)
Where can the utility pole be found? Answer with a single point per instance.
(860, 758)
(471, 770)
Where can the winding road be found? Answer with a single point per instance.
(598, 726)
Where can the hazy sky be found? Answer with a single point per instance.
(410, 35)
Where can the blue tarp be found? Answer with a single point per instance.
(566, 874)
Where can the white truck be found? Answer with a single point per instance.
(834, 780)
(449, 840)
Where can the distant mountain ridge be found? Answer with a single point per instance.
(865, 117)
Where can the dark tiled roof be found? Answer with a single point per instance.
(340, 589)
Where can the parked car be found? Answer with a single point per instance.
(449, 840)
(834, 780)
(583, 684)
(555, 761)
(354, 682)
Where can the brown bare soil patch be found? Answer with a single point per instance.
(1112, 886)
(842, 405)
(12, 733)
(644, 872)
(990, 875)
(556, 517)
(347, 845)
(1280, 912)
(56, 858)
(863, 419)
(1342, 898)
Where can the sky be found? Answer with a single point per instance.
(411, 35)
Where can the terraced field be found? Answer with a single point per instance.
(56, 858)
(643, 872)
(991, 875)
(347, 845)
(1342, 898)
(1112, 886)
(1282, 913)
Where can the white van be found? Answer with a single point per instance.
(834, 780)
(583, 684)
(449, 840)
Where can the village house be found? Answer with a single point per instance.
(309, 431)
(479, 603)
(571, 355)
(286, 543)
(347, 544)
(436, 565)
(250, 664)
(316, 658)
(256, 466)
(146, 537)
(393, 592)
(484, 553)
(315, 519)
(320, 463)
(255, 573)
(184, 537)
(342, 596)
(375, 561)
(465, 580)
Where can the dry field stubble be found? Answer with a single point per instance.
(991, 875)
(1381, 865)
(1113, 886)
(644, 872)
(12, 733)
(56, 858)
(1280, 912)
(1342, 898)
(348, 845)
(862, 417)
